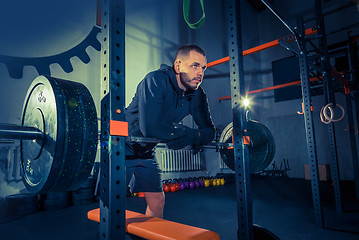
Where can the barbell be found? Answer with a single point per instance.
(59, 137)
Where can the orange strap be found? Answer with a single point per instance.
(157, 228)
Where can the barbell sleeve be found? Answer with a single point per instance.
(10, 131)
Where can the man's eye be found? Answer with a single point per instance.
(194, 66)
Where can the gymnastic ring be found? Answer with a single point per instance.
(332, 112)
(323, 118)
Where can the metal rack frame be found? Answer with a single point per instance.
(112, 177)
(241, 154)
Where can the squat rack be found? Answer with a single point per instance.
(303, 38)
(114, 128)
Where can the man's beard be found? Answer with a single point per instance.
(185, 80)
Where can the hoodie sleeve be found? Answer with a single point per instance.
(202, 117)
(151, 96)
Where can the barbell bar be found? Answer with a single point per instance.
(11, 131)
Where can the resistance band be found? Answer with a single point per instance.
(200, 22)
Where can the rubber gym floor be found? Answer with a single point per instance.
(281, 205)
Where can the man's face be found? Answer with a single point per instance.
(191, 70)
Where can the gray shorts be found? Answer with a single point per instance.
(143, 175)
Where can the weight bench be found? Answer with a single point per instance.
(157, 228)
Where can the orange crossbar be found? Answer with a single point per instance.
(273, 87)
(157, 228)
(274, 43)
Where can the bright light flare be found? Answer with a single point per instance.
(246, 102)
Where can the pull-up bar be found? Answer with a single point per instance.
(274, 43)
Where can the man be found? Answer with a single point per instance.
(163, 98)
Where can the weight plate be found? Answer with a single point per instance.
(39, 157)
(66, 114)
(82, 136)
(89, 139)
(261, 148)
(271, 143)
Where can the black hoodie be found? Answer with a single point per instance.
(158, 105)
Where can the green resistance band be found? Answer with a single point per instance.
(186, 11)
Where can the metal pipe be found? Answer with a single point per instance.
(269, 6)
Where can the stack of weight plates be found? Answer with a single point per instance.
(54, 201)
(85, 194)
(3, 212)
(18, 206)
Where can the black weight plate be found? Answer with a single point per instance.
(271, 146)
(83, 202)
(260, 233)
(82, 136)
(89, 139)
(56, 196)
(21, 199)
(67, 112)
(264, 151)
(3, 210)
(20, 205)
(261, 149)
(83, 191)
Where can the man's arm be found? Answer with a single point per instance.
(202, 117)
(205, 132)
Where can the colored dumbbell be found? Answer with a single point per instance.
(182, 186)
(192, 185)
(207, 183)
(196, 182)
(214, 182)
(165, 186)
(223, 181)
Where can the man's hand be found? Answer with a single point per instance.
(186, 137)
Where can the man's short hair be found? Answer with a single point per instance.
(186, 49)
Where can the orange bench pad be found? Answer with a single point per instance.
(157, 228)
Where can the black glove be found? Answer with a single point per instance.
(185, 136)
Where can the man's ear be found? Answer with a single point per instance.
(177, 66)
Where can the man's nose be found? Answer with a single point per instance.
(200, 72)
